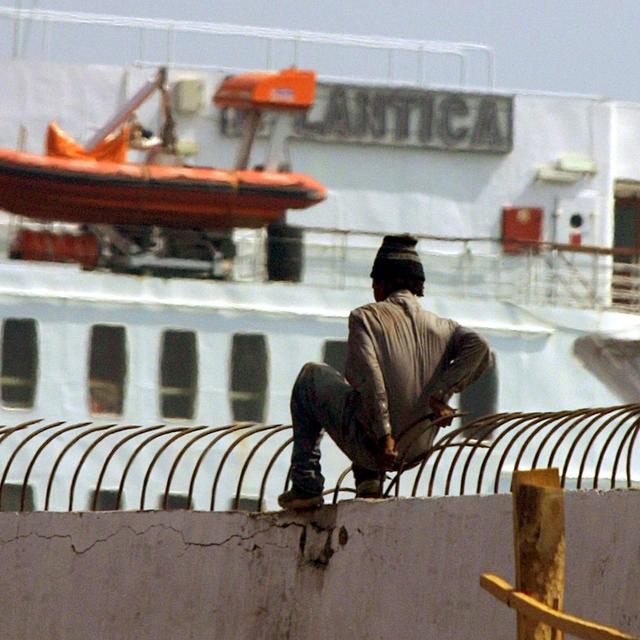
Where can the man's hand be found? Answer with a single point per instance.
(388, 453)
(441, 410)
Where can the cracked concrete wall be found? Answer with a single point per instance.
(363, 570)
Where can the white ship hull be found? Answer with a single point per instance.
(532, 307)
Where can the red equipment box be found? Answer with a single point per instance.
(521, 228)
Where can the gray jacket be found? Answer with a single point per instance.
(400, 354)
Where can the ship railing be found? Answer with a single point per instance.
(535, 273)
(475, 267)
(154, 42)
(59, 466)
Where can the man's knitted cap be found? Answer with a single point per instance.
(397, 258)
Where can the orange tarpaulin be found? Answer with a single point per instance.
(61, 145)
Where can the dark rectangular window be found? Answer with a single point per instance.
(106, 500)
(178, 374)
(107, 369)
(19, 363)
(335, 354)
(175, 502)
(249, 377)
(12, 497)
(246, 503)
(480, 399)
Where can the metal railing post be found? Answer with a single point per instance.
(529, 273)
(420, 67)
(170, 44)
(636, 288)
(142, 44)
(269, 53)
(343, 269)
(46, 39)
(390, 65)
(594, 280)
(463, 71)
(555, 276)
(465, 267)
(17, 31)
(296, 52)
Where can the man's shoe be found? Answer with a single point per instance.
(371, 489)
(297, 499)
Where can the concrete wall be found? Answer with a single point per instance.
(393, 569)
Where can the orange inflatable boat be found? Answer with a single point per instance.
(97, 186)
(86, 191)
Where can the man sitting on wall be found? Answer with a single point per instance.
(403, 365)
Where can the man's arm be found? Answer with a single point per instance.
(467, 356)
(364, 374)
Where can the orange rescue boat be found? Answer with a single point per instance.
(87, 191)
(73, 184)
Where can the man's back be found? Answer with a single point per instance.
(400, 355)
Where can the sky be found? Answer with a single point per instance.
(575, 46)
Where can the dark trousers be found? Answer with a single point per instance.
(322, 400)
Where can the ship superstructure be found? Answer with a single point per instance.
(525, 205)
